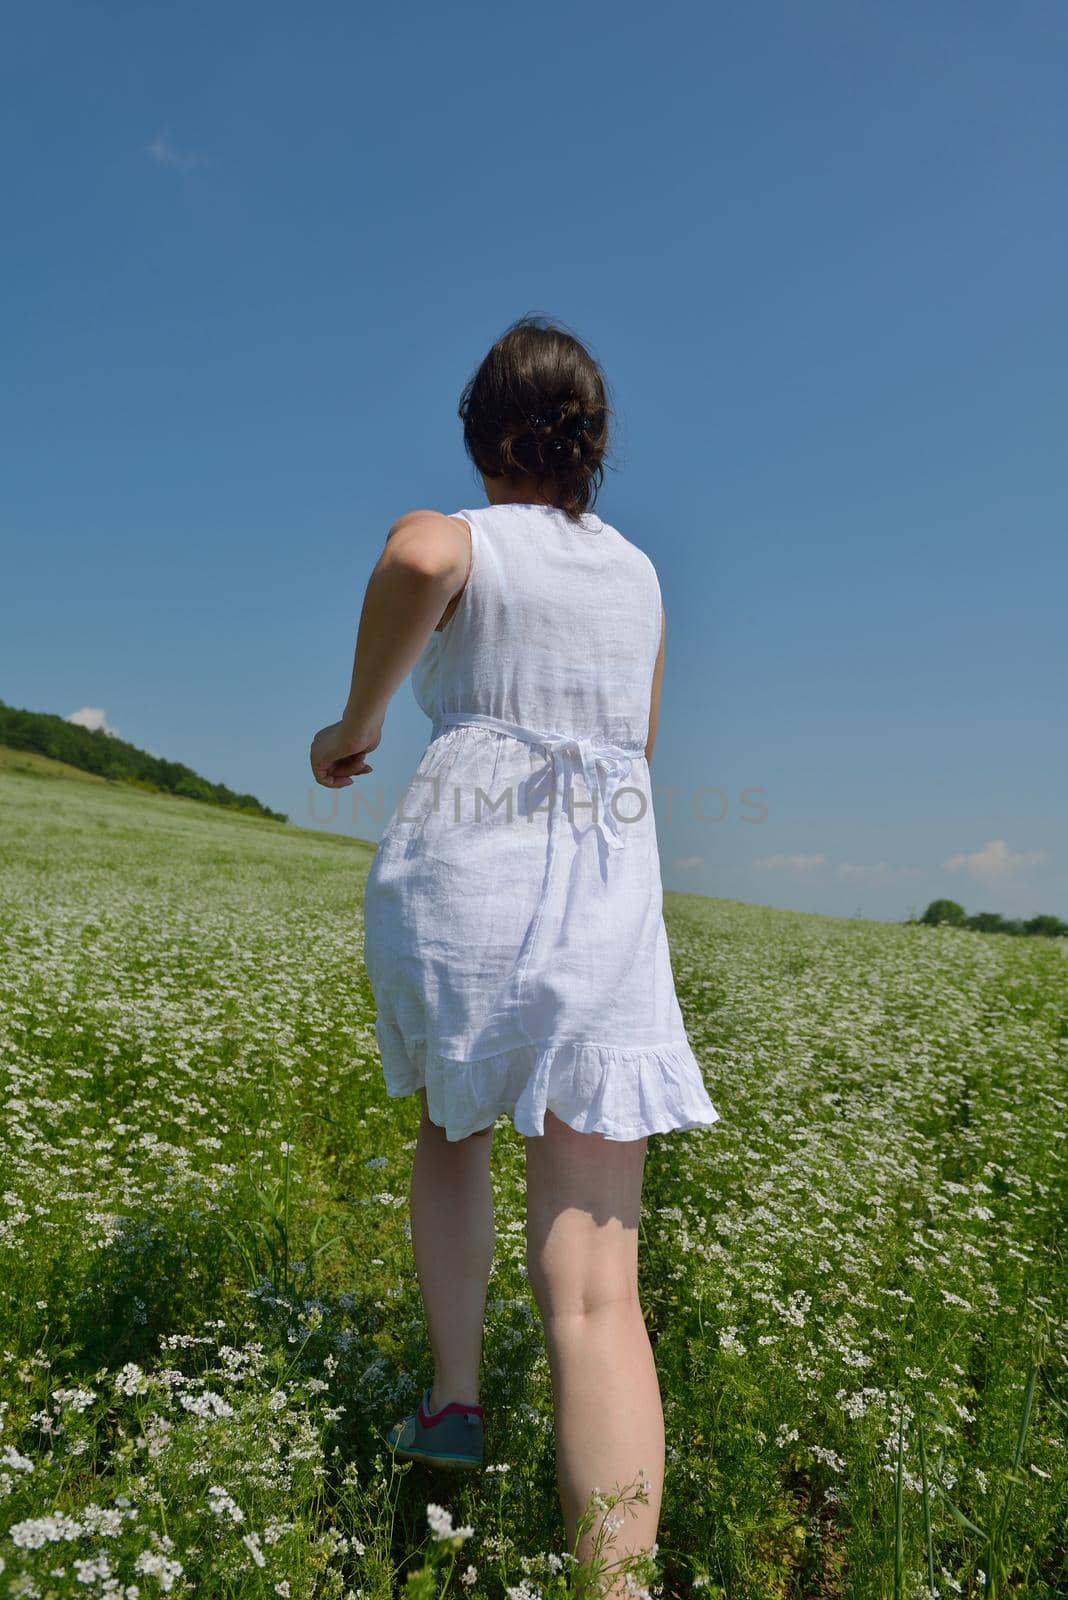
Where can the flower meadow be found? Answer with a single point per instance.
(209, 1313)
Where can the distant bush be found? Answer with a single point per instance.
(949, 912)
(943, 911)
(1047, 926)
(92, 750)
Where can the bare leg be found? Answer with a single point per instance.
(453, 1239)
(583, 1205)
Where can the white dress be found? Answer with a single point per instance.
(513, 926)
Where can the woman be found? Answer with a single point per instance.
(513, 928)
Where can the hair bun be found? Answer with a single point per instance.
(537, 408)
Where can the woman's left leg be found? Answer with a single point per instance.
(453, 1239)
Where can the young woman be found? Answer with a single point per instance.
(513, 928)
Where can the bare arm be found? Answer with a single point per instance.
(424, 563)
(654, 699)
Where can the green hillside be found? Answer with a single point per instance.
(29, 762)
(105, 756)
(209, 1310)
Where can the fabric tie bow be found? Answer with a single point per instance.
(598, 768)
(598, 762)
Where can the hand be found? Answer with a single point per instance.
(337, 754)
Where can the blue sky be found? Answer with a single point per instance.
(254, 251)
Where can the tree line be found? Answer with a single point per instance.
(93, 750)
(948, 911)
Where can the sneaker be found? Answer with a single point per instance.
(452, 1437)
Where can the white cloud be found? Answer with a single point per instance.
(689, 863)
(92, 717)
(166, 153)
(792, 863)
(878, 872)
(995, 860)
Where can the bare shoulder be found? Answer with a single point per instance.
(412, 518)
(431, 539)
(429, 524)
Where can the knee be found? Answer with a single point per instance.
(568, 1281)
(542, 1281)
(574, 1309)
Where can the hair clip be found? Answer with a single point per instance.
(577, 425)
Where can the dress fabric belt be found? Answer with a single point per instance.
(597, 760)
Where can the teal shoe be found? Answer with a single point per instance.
(453, 1437)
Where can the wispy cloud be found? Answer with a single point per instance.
(94, 718)
(790, 863)
(166, 153)
(994, 861)
(875, 872)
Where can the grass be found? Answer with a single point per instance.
(29, 761)
(208, 1306)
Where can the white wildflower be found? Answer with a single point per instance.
(103, 1520)
(251, 1541)
(160, 1567)
(222, 1504)
(207, 1404)
(441, 1524)
(90, 1570)
(77, 1399)
(37, 1531)
(131, 1380)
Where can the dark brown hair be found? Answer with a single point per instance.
(538, 408)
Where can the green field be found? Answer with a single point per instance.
(208, 1304)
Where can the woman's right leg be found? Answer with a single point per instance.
(583, 1206)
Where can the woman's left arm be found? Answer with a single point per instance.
(423, 564)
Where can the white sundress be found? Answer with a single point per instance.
(513, 928)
